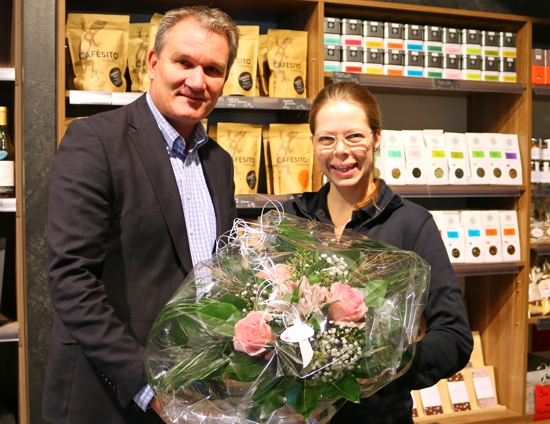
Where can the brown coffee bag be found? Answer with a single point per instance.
(292, 158)
(244, 143)
(287, 58)
(242, 76)
(137, 54)
(99, 50)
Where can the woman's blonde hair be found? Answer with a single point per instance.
(350, 92)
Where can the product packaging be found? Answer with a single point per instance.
(474, 240)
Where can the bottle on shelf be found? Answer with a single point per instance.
(7, 157)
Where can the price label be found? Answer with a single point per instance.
(446, 84)
(542, 403)
(239, 102)
(345, 77)
(293, 104)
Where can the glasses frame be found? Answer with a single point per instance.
(347, 143)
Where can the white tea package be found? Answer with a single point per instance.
(492, 235)
(496, 158)
(415, 157)
(436, 157)
(510, 235)
(478, 159)
(474, 241)
(393, 156)
(454, 236)
(457, 156)
(512, 159)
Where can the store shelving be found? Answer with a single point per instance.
(496, 294)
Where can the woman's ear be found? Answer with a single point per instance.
(377, 140)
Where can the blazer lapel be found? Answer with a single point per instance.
(149, 144)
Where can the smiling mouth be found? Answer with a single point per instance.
(343, 168)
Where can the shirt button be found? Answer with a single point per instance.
(191, 232)
(188, 197)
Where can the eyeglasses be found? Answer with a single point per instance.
(354, 140)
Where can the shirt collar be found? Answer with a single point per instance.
(198, 134)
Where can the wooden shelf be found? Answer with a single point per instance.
(541, 89)
(395, 84)
(8, 205)
(470, 270)
(9, 332)
(78, 97)
(7, 74)
(541, 248)
(470, 190)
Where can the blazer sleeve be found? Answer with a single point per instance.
(446, 346)
(79, 215)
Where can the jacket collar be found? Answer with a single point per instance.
(314, 206)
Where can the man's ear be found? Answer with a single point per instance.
(152, 60)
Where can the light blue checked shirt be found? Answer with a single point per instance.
(200, 217)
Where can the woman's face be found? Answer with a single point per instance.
(347, 164)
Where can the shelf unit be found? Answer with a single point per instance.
(496, 294)
(13, 333)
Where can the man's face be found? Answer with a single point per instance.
(187, 77)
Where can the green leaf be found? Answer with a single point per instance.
(220, 318)
(316, 321)
(303, 397)
(374, 292)
(244, 368)
(347, 387)
(236, 301)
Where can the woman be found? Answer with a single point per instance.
(346, 127)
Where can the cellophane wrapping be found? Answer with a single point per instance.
(286, 323)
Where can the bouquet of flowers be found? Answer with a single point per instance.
(284, 324)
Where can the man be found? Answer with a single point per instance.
(137, 197)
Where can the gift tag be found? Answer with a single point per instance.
(300, 333)
(542, 403)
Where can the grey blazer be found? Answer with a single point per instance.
(118, 249)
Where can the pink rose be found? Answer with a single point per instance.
(252, 333)
(350, 307)
(277, 273)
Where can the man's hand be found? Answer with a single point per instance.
(155, 404)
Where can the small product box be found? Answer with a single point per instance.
(510, 236)
(439, 221)
(332, 31)
(431, 400)
(454, 237)
(507, 44)
(490, 68)
(477, 158)
(332, 58)
(508, 70)
(458, 393)
(394, 61)
(433, 39)
(414, 63)
(496, 159)
(470, 42)
(483, 380)
(433, 65)
(373, 34)
(489, 43)
(451, 40)
(414, 37)
(351, 59)
(536, 148)
(474, 236)
(544, 169)
(544, 150)
(393, 36)
(535, 172)
(457, 154)
(379, 164)
(373, 60)
(512, 159)
(451, 66)
(415, 157)
(351, 33)
(537, 66)
(471, 67)
(436, 158)
(393, 156)
(547, 66)
(491, 231)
